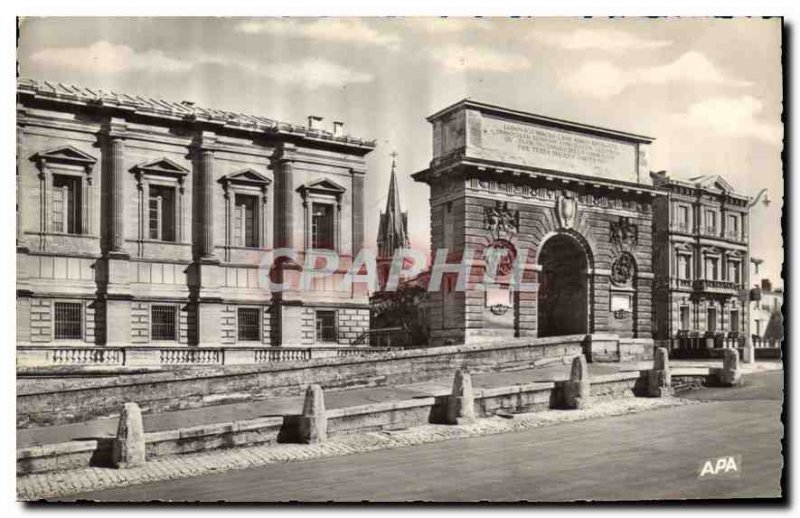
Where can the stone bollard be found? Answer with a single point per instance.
(129, 447)
(312, 425)
(749, 352)
(659, 379)
(576, 390)
(730, 374)
(461, 403)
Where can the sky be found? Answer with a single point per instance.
(708, 90)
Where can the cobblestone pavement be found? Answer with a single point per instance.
(62, 484)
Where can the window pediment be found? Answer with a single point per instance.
(65, 154)
(162, 167)
(325, 186)
(248, 178)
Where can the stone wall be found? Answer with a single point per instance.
(64, 401)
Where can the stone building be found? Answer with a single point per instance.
(702, 256)
(149, 222)
(567, 206)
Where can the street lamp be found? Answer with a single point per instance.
(765, 201)
(749, 353)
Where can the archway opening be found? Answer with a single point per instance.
(563, 290)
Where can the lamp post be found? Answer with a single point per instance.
(749, 352)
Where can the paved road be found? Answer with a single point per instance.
(652, 455)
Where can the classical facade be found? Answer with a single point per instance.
(148, 222)
(702, 256)
(562, 207)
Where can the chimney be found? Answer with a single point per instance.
(314, 122)
(338, 129)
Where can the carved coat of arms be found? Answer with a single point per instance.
(501, 222)
(624, 234)
(622, 269)
(567, 210)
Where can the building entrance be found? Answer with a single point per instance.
(563, 290)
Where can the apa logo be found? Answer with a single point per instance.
(728, 466)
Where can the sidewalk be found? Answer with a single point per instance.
(105, 428)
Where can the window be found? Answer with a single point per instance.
(684, 271)
(712, 268)
(162, 322)
(733, 271)
(326, 326)
(161, 213)
(683, 216)
(248, 325)
(711, 221)
(245, 223)
(322, 226)
(66, 204)
(684, 311)
(734, 320)
(711, 319)
(733, 226)
(68, 320)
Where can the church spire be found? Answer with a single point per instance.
(392, 230)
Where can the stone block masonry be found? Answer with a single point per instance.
(41, 326)
(140, 322)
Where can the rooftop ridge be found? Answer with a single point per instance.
(157, 106)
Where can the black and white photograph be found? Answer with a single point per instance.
(363, 259)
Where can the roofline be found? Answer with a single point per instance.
(536, 172)
(73, 95)
(541, 119)
(681, 182)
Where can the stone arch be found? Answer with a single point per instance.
(565, 261)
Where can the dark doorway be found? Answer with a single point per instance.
(563, 287)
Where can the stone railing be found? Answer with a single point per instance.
(709, 284)
(191, 356)
(682, 283)
(87, 356)
(281, 354)
(78, 356)
(681, 227)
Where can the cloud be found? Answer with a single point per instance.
(733, 116)
(310, 73)
(441, 26)
(107, 58)
(602, 79)
(104, 58)
(610, 40)
(464, 58)
(325, 29)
